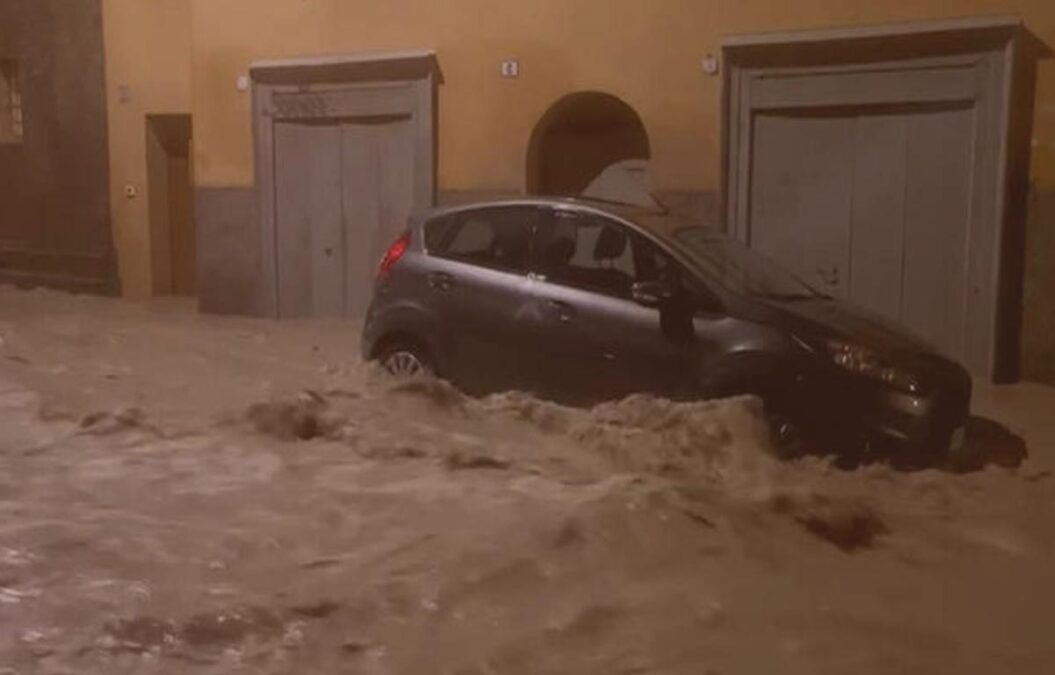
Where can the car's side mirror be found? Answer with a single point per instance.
(650, 293)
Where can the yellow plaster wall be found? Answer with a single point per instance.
(148, 58)
(166, 56)
(647, 53)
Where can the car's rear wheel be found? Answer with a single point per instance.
(406, 360)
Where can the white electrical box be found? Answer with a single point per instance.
(510, 69)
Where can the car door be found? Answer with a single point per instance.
(477, 279)
(597, 342)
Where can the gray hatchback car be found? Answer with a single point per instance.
(581, 301)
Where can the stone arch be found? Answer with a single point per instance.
(580, 136)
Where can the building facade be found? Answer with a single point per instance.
(515, 85)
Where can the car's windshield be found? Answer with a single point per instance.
(739, 268)
(728, 262)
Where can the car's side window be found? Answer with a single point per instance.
(654, 264)
(498, 238)
(588, 252)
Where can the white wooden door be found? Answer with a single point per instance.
(308, 219)
(803, 197)
(378, 195)
(344, 189)
(872, 205)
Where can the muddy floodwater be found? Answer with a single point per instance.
(191, 494)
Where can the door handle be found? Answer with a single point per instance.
(563, 310)
(440, 281)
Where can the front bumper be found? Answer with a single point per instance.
(842, 405)
(931, 421)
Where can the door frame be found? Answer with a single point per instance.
(360, 85)
(865, 66)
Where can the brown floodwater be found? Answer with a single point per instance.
(190, 494)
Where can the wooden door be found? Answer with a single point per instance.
(173, 239)
(872, 205)
(938, 170)
(803, 191)
(929, 222)
(878, 244)
(181, 222)
(344, 189)
(378, 195)
(308, 219)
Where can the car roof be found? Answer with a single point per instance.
(627, 212)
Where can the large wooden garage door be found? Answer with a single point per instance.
(872, 204)
(875, 167)
(343, 192)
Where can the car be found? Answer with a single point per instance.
(580, 301)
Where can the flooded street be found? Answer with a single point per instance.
(191, 494)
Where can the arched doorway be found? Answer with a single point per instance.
(579, 137)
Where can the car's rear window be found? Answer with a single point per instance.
(497, 238)
(436, 231)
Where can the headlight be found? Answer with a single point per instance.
(871, 364)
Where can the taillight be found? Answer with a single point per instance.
(393, 254)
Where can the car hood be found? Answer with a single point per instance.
(824, 318)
